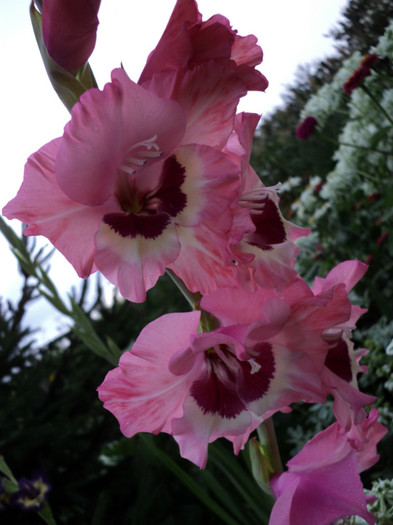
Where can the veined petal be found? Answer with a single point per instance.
(209, 94)
(141, 392)
(347, 272)
(42, 205)
(175, 47)
(210, 184)
(107, 130)
(202, 262)
(195, 430)
(135, 264)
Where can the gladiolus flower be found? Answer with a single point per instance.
(261, 240)
(117, 190)
(306, 127)
(268, 351)
(69, 30)
(200, 387)
(142, 167)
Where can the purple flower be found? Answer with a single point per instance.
(32, 492)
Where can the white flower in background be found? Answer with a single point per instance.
(289, 184)
(327, 100)
(384, 48)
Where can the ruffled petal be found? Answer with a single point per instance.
(321, 496)
(202, 263)
(210, 184)
(47, 211)
(141, 392)
(107, 131)
(135, 264)
(347, 272)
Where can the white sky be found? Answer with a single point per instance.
(290, 33)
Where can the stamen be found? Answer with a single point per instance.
(127, 169)
(139, 153)
(255, 200)
(255, 367)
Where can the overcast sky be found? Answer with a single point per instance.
(291, 33)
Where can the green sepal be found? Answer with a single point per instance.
(69, 87)
(261, 464)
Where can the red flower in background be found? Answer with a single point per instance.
(369, 60)
(382, 238)
(306, 127)
(356, 79)
(69, 30)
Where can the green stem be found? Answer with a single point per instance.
(193, 298)
(357, 146)
(267, 437)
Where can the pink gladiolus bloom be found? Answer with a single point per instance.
(268, 352)
(202, 386)
(322, 483)
(69, 30)
(306, 127)
(119, 188)
(142, 166)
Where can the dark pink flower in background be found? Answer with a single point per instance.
(306, 127)
(382, 238)
(369, 60)
(356, 79)
(69, 30)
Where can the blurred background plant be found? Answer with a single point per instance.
(338, 182)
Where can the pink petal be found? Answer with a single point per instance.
(42, 205)
(174, 48)
(141, 392)
(108, 128)
(321, 496)
(202, 263)
(209, 94)
(347, 272)
(195, 430)
(135, 264)
(210, 185)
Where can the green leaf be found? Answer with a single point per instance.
(46, 514)
(4, 469)
(188, 481)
